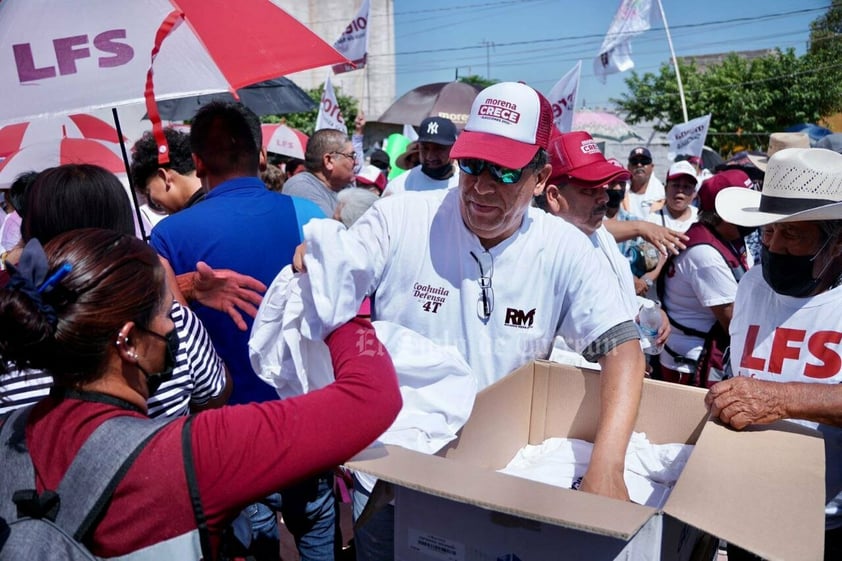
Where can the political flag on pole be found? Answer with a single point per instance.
(563, 98)
(330, 116)
(688, 138)
(353, 43)
(632, 19)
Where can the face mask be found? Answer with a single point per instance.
(442, 172)
(615, 198)
(155, 379)
(791, 275)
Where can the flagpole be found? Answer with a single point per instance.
(674, 62)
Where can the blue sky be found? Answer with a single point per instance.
(538, 41)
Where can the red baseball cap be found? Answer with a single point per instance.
(507, 125)
(722, 180)
(575, 156)
(371, 176)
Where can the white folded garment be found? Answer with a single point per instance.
(651, 469)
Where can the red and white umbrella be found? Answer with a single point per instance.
(43, 155)
(16, 136)
(60, 57)
(285, 140)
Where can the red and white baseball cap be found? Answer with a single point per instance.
(508, 123)
(575, 157)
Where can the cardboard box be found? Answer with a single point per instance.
(761, 489)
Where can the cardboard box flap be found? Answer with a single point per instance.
(465, 483)
(759, 488)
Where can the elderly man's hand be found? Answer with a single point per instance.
(228, 291)
(744, 401)
(665, 239)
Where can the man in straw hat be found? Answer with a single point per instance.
(786, 327)
(478, 268)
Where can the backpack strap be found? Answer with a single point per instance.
(17, 472)
(99, 466)
(193, 488)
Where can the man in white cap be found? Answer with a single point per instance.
(478, 268)
(786, 327)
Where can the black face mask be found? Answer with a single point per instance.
(442, 172)
(155, 379)
(746, 231)
(790, 275)
(615, 198)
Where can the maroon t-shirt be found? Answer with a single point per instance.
(242, 453)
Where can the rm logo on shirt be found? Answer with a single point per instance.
(519, 318)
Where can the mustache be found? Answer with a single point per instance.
(601, 209)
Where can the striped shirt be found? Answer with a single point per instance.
(198, 377)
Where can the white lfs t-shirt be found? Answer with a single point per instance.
(413, 254)
(785, 339)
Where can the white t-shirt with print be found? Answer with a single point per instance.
(413, 255)
(639, 205)
(786, 339)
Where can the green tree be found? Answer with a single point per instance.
(477, 81)
(747, 99)
(306, 122)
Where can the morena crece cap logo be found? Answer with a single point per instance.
(499, 110)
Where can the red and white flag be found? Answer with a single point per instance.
(563, 98)
(632, 19)
(330, 116)
(353, 43)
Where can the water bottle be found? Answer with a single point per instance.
(649, 320)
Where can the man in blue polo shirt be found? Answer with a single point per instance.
(242, 226)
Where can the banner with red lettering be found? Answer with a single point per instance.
(353, 43)
(563, 98)
(688, 138)
(631, 19)
(330, 116)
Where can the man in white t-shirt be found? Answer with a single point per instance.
(646, 192)
(699, 286)
(478, 269)
(577, 191)
(678, 213)
(436, 136)
(786, 328)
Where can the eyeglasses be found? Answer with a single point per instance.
(485, 304)
(639, 162)
(500, 174)
(351, 156)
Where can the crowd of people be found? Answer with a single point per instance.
(508, 241)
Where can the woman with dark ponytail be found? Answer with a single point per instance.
(91, 308)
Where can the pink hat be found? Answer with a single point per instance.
(575, 156)
(722, 180)
(507, 125)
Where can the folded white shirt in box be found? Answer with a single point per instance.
(651, 469)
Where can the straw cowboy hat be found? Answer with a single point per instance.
(780, 141)
(801, 184)
(412, 149)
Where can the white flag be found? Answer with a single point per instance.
(353, 43)
(563, 98)
(409, 132)
(632, 19)
(688, 138)
(330, 116)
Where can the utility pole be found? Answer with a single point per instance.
(488, 45)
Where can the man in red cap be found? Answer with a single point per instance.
(577, 191)
(698, 287)
(480, 269)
